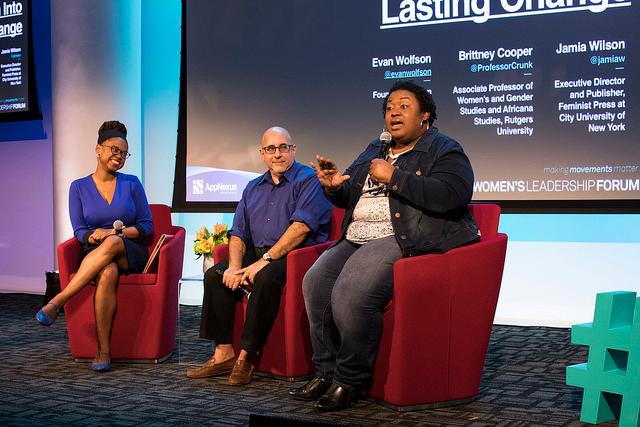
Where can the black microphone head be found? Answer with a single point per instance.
(385, 137)
(117, 224)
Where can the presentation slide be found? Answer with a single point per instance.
(542, 94)
(14, 56)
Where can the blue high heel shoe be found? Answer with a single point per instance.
(101, 366)
(43, 318)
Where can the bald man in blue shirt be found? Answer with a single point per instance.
(279, 211)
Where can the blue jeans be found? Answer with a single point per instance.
(345, 293)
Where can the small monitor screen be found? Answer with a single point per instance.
(14, 57)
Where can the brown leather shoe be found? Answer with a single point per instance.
(212, 369)
(242, 372)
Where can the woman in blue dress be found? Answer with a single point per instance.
(96, 202)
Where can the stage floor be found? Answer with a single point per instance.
(523, 383)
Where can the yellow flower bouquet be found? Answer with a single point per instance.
(207, 240)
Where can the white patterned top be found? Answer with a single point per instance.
(371, 216)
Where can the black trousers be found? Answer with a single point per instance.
(219, 303)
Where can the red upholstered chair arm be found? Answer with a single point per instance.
(170, 258)
(475, 276)
(296, 325)
(302, 259)
(221, 253)
(165, 309)
(68, 259)
(298, 262)
(487, 216)
(453, 284)
(476, 272)
(421, 300)
(449, 301)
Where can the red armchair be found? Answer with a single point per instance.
(287, 353)
(437, 326)
(144, 327)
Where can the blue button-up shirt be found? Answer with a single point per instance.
(266, 210)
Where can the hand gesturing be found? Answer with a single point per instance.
(328, 173)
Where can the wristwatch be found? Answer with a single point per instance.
(267, 257)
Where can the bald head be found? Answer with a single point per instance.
(278, 132)
(277, 151)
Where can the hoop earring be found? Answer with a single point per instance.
(421, 123)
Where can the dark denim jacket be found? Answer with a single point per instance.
(428, 194)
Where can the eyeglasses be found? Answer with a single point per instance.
(118, 152)
(283, 148)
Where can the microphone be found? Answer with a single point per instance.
(385, 139)
(118, 226)
(243, 288)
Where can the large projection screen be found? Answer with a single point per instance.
(543, 95)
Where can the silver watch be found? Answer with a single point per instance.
(267, 257)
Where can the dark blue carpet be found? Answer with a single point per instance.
(523, 384)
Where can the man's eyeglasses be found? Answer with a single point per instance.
(118, 152)
(283, 148)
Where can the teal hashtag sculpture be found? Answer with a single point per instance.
(611, 376)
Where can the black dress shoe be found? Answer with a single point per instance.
(337, 398)
(311, 390)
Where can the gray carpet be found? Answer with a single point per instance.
(523, 384)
